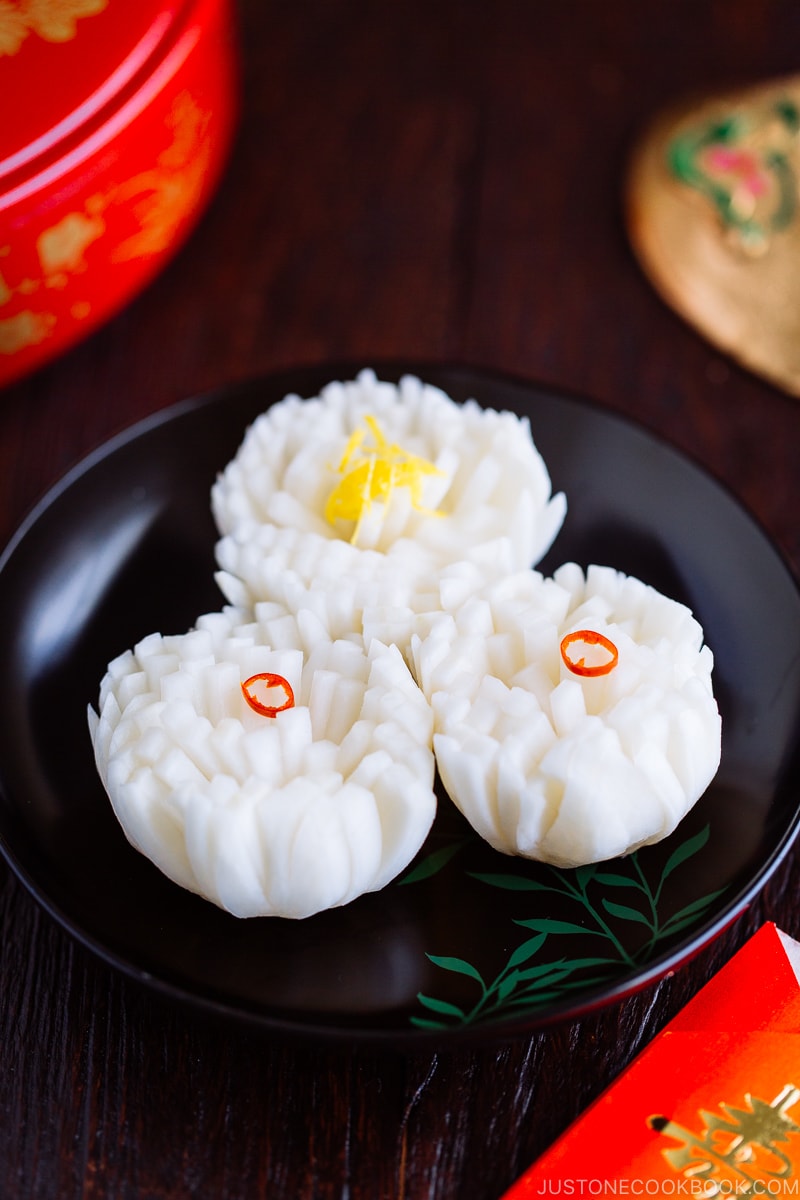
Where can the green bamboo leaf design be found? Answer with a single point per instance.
(531, 973)
(507, 986)
(524, 983)
(564, 977)
(459, 965)
(585, 874)
(527, 950)
(552, 973)
(550, 925)
(444, 1007)
(685, 851)
(610, 879)
(433, 863)
(691, 910)
(512, 883)
(686, 923)
(426, 1023)
(624, 912)
(525, 1000)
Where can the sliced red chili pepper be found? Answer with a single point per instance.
(590, 638)
(268, 710)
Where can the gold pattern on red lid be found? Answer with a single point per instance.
(150, 206)
(69, 64)
(52, 20)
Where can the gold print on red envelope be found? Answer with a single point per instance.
(733, 1049)
(52, 20)
(742, 1147)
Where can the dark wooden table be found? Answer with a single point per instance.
(436, 181)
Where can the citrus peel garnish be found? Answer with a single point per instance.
(371, 473)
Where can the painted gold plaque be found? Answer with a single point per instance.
(713, 214)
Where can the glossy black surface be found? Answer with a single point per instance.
(125, 546)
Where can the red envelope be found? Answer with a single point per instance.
(710, 1108)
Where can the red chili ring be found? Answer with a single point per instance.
(268, 710)
(591, 638)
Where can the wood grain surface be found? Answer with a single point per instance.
(439, 181)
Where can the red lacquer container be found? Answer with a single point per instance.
(116, 117)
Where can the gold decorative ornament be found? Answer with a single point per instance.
(713, 215)
(738, 1146)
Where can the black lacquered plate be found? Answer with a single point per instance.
(468, 941)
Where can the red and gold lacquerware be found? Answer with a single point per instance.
(115, 122)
